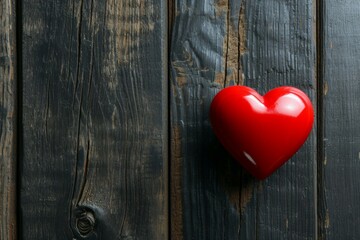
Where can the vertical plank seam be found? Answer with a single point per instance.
(227, 43)
(320, 204)
(169, 21)
(19, 110)
(240, 71)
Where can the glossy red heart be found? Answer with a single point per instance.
(261, 132)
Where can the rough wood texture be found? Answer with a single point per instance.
(280, 51)
(94, 162)
(200, 204)
(341, 164)
(7, 120)
(218, 43)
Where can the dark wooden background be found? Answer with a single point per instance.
(104, 128)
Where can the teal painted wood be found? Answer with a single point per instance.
(94, 162)
(339, 199)
(8, 120)
(262, 44)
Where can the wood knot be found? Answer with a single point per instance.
(85, 222)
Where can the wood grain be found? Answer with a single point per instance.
(94, 162)
(280, 51)
(8, 120)
(201, 208)
(218, 43)
(341, 165)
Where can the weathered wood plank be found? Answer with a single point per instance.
(94, 161)
(8, 119)
(280, 51)
(263, 44)
(200, 204)
(341, 164)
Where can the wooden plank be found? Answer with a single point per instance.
(341, 164)
(94, 161)
(8, 120)
(280, 51)
(200, 204)
(263, 44)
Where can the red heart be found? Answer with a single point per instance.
(261, 132)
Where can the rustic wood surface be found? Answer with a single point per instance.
(280, 51)
(262, 44)
(85, 109)
(94, 161)
(340, 196)
(8, 120)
